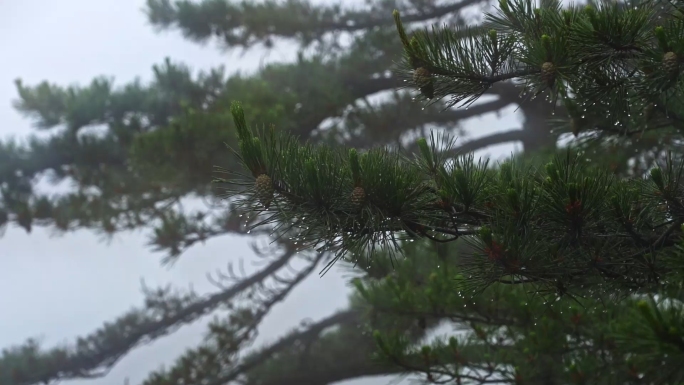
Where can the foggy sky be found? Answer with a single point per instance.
(57, 288)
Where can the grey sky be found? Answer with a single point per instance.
(60, 287)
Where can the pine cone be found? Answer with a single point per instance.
(422, 76)
(548, 73)
(670, 63)
(264, 189)
(358, 197)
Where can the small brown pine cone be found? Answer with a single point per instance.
(422, 76)
(263, 189)
(670, 63)
(548, 73)
(358, 197)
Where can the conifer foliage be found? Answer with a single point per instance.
(471, 232)
(608, 249)
(132, 155)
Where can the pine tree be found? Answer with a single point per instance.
(573, 273)
(159, 144)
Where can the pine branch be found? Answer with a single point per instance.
(94, 355)
(489, 140)
(311, 333)
(217, 357)
(472, 145)
(346, 367)
(509, 329)
(342, 354)
(245, 25)
(113, 198)
(612, 56)
(529, 211)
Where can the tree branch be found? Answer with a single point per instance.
(483, 142)
(305, 335)
(343, 354)
(99, 352)
(246, 24)
(349, 366)
(490, 140)
(452, 115)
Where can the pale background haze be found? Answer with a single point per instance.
(58, 288)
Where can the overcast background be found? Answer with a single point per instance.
(57, 288)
